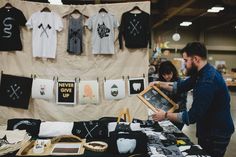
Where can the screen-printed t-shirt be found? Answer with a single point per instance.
(75, 35)
(10, 21)
(102, 25)
(45, 26)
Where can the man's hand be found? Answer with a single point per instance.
(159, 115)
(155, 83)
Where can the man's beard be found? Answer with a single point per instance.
(192, 71)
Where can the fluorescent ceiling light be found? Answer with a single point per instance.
(55, 2)
(186, 23)
(218, 8)
(215, 9)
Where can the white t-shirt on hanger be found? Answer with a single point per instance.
(44, 25)
(102, 26)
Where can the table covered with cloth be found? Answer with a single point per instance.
(164, 140)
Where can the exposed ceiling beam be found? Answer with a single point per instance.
(173, 13)
(221, 24)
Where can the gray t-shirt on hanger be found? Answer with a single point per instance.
(102, 26)
(75, 35)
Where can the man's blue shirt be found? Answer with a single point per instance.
(211, 103)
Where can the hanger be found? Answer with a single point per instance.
(8, 5)
(76, 11)
(102, 10)
(45, 9)
(135, 8)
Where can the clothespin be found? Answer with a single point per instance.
(128, 77)
(143, 75)
(57, 79)
(75, 79)
(97, 79)
(79, 80)
(123, 77)
(105, 79)
(53, 78)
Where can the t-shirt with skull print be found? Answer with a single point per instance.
(102, 26)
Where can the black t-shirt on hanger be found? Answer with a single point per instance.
(135, 28)
(10, 21)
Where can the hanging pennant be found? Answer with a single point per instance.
(88, 92)
(42, 89)
(15, 91)
(114, 89)
(66, 92)
(136, 85)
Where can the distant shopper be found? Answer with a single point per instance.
(169, 73)
(211, 101)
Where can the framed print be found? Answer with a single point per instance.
(42, 89)
(66, 92)
(88, 92)
(136, 85)
(114, 89)
(154, 98)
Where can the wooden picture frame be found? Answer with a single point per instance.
(154, 98)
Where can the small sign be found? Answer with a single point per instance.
(66, 92)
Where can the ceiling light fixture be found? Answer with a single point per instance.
(215, 9)
(185, 23)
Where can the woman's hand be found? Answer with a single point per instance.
(159, 115)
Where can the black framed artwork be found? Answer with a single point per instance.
(66, 92)
(136, 85)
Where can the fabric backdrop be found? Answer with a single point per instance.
(126, 62)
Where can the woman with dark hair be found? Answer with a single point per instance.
(168, 73)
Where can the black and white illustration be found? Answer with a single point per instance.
(89, 129)
(44, 29)
(114, 89)
(15, 91)
(7, 30)
(136, 85)
(134, 27)
(154, 98)
(42, 89)
(103, 30)
(66, 92)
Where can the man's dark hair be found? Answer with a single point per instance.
(167, 67)
(195, 49)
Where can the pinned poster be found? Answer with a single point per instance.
(42, 89)
(66, 92)
(136, 85)
(114, 89)
(15, 91)
(88, 92)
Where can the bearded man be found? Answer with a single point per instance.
(210, 109)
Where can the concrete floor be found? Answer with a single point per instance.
(190, 131)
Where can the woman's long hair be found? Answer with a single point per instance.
(167, 67)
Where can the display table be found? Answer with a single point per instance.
(164, 139)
